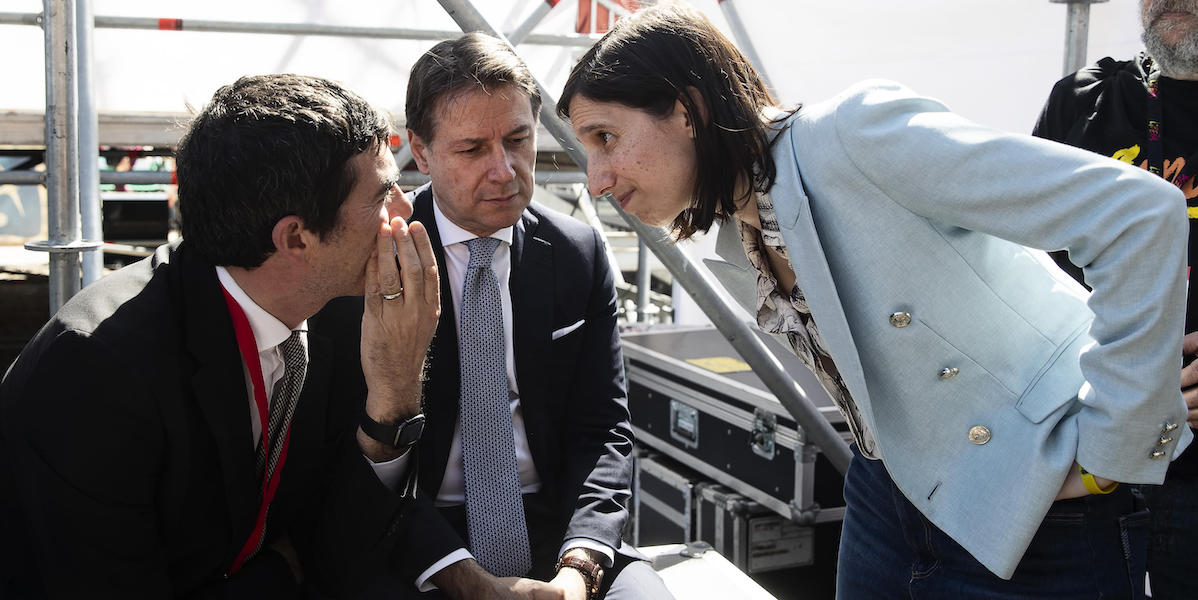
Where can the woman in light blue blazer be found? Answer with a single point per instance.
(897, 247)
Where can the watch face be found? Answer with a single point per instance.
(410, 431)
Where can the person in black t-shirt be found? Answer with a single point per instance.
(1144, 111)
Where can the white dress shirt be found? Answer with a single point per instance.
(269, 332)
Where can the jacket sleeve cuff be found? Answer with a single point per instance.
(423, 582)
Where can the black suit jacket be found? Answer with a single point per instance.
(572, 390)
(127, 460)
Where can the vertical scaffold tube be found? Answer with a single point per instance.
(62, 135)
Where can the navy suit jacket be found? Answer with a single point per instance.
(126, 453)
(572, 389)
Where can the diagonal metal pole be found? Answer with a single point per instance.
(741, 35)
(522, 31)
(403, 155)
(693, 278)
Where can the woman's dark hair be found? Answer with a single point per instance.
(652, 59)
(266, 147)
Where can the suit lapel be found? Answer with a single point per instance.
(533, 288)
(444, 378)
(793, 209)
(219, 387)
(734, 271)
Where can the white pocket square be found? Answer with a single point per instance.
(567, 329)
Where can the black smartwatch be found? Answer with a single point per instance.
(399, 436)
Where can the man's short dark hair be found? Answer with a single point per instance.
(266, 147)
(472, 61)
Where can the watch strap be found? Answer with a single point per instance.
(399, 436)
(591, 572)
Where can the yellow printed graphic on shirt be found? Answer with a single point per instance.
(1172, 174)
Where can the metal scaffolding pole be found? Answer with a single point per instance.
(522, 31)
(89, 146)
(403, 155)
(22, 178)
(814, 426)
(406, 178)
(103, 22)
(1077, 32)
(644, 279)
(62, 164)
(592, 216)
(741, 35)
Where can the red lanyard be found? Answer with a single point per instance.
(249, 353)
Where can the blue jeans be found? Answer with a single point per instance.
(1090, 547)
(1171, 553)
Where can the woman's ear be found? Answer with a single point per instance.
(699, 105)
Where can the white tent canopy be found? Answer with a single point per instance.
(990, 60)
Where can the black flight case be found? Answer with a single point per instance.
(694, 400)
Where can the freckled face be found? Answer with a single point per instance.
(647, 163)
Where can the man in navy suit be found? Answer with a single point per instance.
(472, 116)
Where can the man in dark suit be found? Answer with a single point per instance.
(564, 455)
(174, 430)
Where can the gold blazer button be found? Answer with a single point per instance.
(900, 319)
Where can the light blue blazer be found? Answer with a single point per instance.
(889, 203)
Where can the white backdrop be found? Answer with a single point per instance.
(990, 60)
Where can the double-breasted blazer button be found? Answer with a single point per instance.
(949, 372)
(1157, 454)
(1169, 427)
(979, 434)
(900, 319)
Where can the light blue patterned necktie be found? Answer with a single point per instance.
(494, 506)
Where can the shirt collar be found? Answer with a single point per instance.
(452, 234)
(268, 331)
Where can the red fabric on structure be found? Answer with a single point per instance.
(602, 16)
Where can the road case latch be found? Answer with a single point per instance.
(684, 424)
(765, 423)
